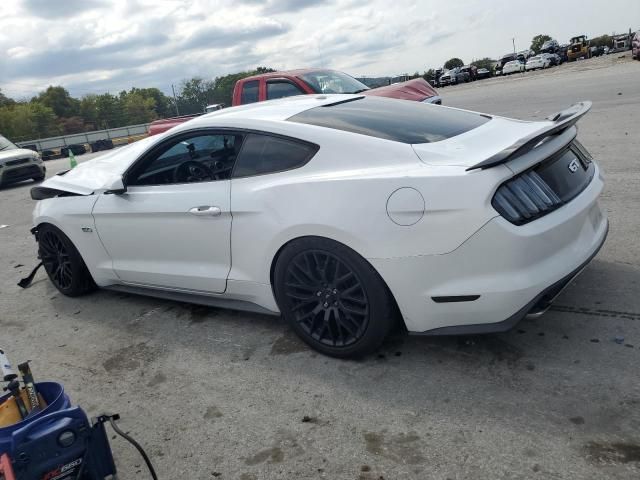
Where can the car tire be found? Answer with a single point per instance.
(332, 297)
(63, 263)
(39, 178)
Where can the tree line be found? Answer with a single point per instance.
(55, 112)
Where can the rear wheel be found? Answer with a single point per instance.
(63, 263)
(332, 298)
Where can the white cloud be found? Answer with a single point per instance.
(98, 45)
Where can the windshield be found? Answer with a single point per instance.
(6, 144)
(330, 81)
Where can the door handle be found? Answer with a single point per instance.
(206, 211)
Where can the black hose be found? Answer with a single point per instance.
(135, 444)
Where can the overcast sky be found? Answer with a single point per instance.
(93, 46)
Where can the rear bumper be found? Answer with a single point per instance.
(502, 272)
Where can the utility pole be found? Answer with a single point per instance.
(175, 100)
(514, 47)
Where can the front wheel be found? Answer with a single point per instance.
(63, 263)
(332, 297)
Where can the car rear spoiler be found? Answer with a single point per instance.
(561, 122)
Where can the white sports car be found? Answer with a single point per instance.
(343, 213)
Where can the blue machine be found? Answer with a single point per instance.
(62, 445)
(58, 442)
(44, 437)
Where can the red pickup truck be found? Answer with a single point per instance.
(269, 86)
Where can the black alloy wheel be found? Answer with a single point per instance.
(62, 262)
(327, 298)
(56, 260)
(332, 297)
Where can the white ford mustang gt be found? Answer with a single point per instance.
(343, 213)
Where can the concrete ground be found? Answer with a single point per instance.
(218, 394)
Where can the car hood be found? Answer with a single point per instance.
(100, 172)
(417, 89)
(478, 144)
(15, 153)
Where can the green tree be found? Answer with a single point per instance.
(89, 111)
(108, 111)
(602, 41)
(26, 121)
(163, 105)
(538, 41)
(429, 75)
(485, 62)
(195, 94)
(4, 100)
(71, 125)
(453, 63)
(137, 109)
(58, 100)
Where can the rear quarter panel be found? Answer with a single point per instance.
(342, 194)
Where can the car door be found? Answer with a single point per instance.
(171, 228)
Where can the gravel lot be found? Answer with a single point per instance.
(218, 394)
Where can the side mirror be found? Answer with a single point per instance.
(116, 187)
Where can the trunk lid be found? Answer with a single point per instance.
(476, 145)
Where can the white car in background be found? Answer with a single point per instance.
(513, 66)
(539, 61)
(343, 213)
(18, 164)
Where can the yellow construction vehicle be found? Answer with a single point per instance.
(578, 47)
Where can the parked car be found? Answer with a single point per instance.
(539, 61)
(471, 70)
(509, 57)
(635, 45)
(18, 164)
(346, 209)
(454, 76)
(514, 66)
(483, 73)
(554, 59)
(274, 85)
(550, 46)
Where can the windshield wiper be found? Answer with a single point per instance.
(361, 90)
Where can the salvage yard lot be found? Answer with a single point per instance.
(212, 393)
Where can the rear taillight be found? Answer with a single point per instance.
(525, 198)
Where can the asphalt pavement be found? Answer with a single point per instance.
(213, 393)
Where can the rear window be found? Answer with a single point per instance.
(249, 92)
(402, 121)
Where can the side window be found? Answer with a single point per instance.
(282, 89)
(249, 92)
(196, 158)
(267, 154)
